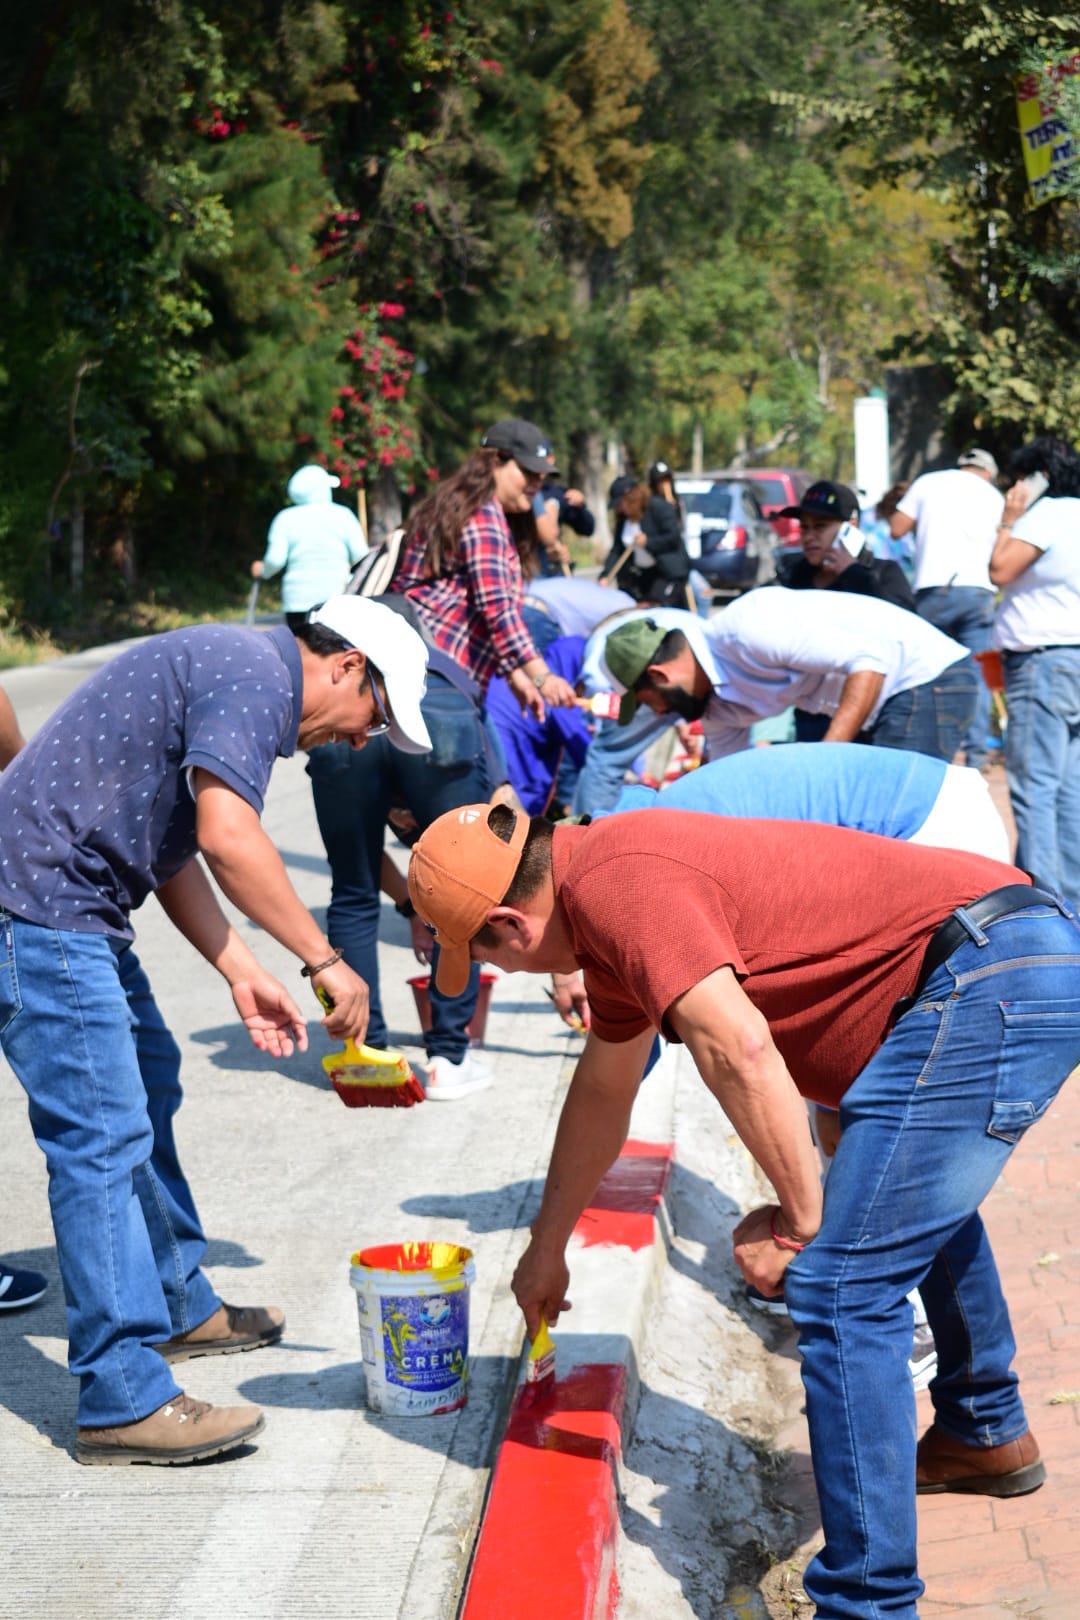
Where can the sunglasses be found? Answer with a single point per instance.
(381, 726)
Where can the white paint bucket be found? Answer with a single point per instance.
(413, 1303)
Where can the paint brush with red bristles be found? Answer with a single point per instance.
(367, 1077)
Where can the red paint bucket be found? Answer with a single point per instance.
(477, 1024)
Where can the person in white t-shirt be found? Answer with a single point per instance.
(955, 515)
(881, 674)
(1036, 559)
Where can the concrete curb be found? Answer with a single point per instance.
(547, 1538)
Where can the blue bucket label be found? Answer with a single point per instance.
(425, 1339)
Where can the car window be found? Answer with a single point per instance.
(711, 502)
(772, 491)
(750, 502)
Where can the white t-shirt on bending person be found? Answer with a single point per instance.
(956, 514)
(1041, 607)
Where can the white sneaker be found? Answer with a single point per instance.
(923, 1361)
(447, 1081)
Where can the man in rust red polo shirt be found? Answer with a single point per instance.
(932, 996)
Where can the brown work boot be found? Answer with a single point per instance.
(181, 1431)
(946, 1464)
(232, 1327)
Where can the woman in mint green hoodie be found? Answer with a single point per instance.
(316, 542)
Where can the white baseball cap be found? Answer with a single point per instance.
(398, 653)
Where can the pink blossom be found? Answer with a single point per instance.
(390, 311)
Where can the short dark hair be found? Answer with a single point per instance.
(321, 640)
(533, 865)
(673, 644)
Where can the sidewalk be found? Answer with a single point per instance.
(984, 1559)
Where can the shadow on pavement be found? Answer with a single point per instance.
(499, 1209)
(343, 1388)
(704, 1214)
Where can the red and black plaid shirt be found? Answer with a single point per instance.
(474, 611)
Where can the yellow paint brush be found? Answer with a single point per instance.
(541, 1362)
(368, 1077)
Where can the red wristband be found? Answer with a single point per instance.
(780, 1240)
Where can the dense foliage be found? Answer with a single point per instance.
(237, 236)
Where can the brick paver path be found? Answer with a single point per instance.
(983, 1559)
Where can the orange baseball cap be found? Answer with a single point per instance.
(459, 870)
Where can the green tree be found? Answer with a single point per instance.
(1009, 332)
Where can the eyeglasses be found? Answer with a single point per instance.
(381, 726)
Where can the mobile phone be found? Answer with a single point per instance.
(1035, 484)
(851, 538)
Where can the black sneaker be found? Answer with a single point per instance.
(19, 1288)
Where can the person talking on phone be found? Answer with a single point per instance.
(1036, 562)
(836, 558)
(836, 555)
(954, 515)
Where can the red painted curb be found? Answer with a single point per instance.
(546, 1546)
(547, 1542)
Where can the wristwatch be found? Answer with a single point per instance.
(405, 908)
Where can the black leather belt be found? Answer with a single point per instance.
(1055, 646)
(986, 909)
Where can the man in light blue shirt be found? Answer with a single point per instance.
(877, 790)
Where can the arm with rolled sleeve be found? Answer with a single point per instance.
(494, 581)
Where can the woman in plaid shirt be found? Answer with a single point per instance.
(462, 563)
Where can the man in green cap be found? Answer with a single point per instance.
(879, 673)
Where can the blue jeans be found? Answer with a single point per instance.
(542, 625)
(354, 791)
(927, 1128)
(80, 1028)
(611, 753)
(932, 718)
(965, 612)
(1042, 758)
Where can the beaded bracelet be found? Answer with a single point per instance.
(310, 972)
(781, 1241)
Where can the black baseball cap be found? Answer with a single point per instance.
(522, 440)
(621, 486)
(825, 499)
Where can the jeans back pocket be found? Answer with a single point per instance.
(1039, 1050)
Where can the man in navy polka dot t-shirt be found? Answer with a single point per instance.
(162, 755)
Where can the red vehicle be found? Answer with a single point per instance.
(776, 487)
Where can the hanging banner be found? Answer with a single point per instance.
(1050, 151)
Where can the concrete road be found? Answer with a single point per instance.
(334, 1512)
